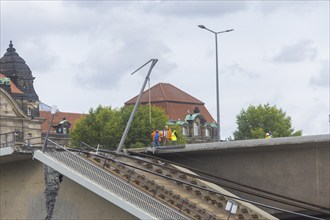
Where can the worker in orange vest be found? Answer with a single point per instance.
(166, 135)
(156, 138)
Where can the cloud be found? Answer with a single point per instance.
(322, 79)
(194, 8)
(237, 70)
(174, 8)
(297, 52)
(40, 59)
(297, 7)
(105, 66)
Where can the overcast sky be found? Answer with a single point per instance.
(81, 53)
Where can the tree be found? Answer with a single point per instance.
(141, 128)
(256, 121)
(106, 125)
(101, 126)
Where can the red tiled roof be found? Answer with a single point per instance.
(13, 87)
(174, 101)
(70, 117)
(165, 92)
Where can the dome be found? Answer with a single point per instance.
(15, 68)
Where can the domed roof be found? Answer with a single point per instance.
(15, 68)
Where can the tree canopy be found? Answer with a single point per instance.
(105, 126)
(256, 121)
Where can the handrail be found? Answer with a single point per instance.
(112, 183)
(7, 138)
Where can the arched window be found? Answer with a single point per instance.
(196, 129)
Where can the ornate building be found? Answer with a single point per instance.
(182, 109)
(19, 104)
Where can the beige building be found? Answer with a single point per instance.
(19, 104)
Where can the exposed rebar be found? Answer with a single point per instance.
(52, 183)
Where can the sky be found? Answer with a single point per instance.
(82, 53)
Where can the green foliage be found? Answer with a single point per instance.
(105, 126)
(141, 128)
(101, 126)
(256, 121)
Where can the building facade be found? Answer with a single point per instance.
(19, 104)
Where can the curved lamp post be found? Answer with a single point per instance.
(217, 74)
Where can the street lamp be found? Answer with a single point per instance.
(53, 112)
(217, 74)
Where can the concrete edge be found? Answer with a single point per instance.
(128, 207)
(6, 151)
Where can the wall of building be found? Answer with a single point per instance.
(13, 119)
(22, 189)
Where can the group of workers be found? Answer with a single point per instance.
(165, 137)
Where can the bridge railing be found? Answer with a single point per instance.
(110, 182)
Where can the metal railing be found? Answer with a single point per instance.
(111, 183)
(10, 138)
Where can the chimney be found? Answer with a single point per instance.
(196, 110)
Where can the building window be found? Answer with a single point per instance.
(29, 111)
(196, 129)
(184, 130)
(207, 132)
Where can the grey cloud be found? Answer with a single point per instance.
(298, 52)
(195, 8)
(40, 59)
(104, 69)
(269, 7)
(175, 8)
(40, 22)
(322, 79)
(237, 70)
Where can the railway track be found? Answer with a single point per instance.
(183, 191)
(178, 189)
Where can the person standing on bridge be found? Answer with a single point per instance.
(167, 136)
(174, 137)
(156, 138)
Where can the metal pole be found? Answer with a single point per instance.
(217, 86)
(122, 140)
(218, 135)
(50, 124)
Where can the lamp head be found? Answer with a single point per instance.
(202, 26)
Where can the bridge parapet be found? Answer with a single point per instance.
(294, 167)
